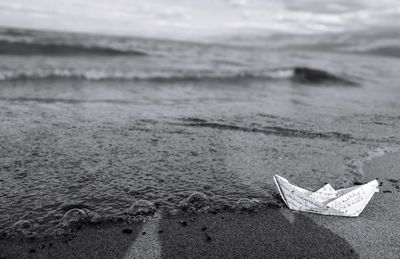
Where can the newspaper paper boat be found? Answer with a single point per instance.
(348, 202)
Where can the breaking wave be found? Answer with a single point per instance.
(301, 75)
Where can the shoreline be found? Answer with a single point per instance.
(273, 232)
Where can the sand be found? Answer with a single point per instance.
(268, 233)
(223, 235)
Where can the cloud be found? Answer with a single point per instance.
(237, 3)
(314, 6)
(172, 14)
(339, 6)
(202, 17)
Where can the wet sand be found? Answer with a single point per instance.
(267, 233)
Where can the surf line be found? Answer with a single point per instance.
(148, 245)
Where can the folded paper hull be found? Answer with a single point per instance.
(349, 202)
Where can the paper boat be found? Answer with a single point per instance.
(348, 202)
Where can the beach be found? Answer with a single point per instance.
(191, 135)
(273, 232)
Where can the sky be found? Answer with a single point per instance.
(200, 18)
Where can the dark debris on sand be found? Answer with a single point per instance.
(127, 231)
(183, 223)
(208, 237)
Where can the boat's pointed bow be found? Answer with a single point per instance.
(375, 184)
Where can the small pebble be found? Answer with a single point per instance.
(208, 237)
(203, 228)
(386, 191)
(144, 233)
(183, 223)
(160, 231)
(32, 251)
(127, 231)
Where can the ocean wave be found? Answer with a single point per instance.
(302, 75)
(29, 48)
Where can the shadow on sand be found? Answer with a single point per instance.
(268, 234)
